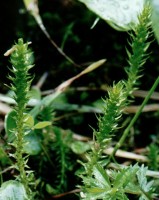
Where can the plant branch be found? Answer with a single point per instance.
(134, 119)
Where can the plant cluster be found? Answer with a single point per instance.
(42, 159)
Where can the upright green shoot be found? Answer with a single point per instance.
(139, 44)
(21, 60)
(98, 184)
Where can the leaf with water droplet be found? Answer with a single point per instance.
(121, 15)
(155, 18)
(12, 190)
(32, 145)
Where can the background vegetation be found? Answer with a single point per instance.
(69, 24)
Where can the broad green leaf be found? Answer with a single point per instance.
(4, 158)
(79, 147)
(41, 125)
(34, 96)
(99, 103)
(12, 190)
(155, 18)
(35, 93)
(10, 125)
(32, 144)
(61, 99)
(122, 15)
(29, 121)
(51, 190)
(7, 99)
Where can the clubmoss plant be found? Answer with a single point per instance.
(153, 153)
(63, 160)
(139, 44)
(21, 60)
(107, 124)
(57, 141)
(51, 156)
(98, 184)
(136, 59)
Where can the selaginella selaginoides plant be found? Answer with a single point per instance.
(21, 60)
(98, 181)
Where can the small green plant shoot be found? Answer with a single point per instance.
(42, 156)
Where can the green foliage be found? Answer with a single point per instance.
(139, 44)
(113, 109)
(12, 190)
(153, 155)
(32, 144)
(55, 141)
(121, 15)
(62, 152)
(21, 80)
(155, 12)
(18, 124)
(116, 185)
(97, 183)
(79, 147)
(145, 186)
(34, 134)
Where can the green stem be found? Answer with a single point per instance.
(134, 119)
(47, 155)
(19, 150)
(21, 80)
